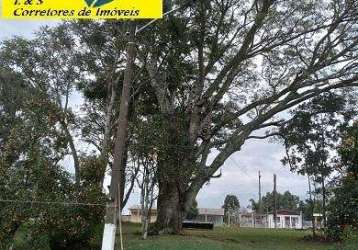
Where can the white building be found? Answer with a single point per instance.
(214, 215)
(135, 215)
(285, 219)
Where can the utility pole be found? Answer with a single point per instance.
(114, 209)
(260, 201)
(114, 206)
(274, 201)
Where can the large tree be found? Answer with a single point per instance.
(223, 70)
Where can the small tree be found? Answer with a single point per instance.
(147, 183)
(145, 155)
(343, 207)
(231, 207)
(193, 211)
(311, 136)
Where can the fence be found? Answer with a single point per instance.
(283, 221)
(254, 220)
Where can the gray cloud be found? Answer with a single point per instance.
(10, 28)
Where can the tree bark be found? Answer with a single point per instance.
(76, 162)
(324, 203)
(107, 127)
(173, 206)
(177, 192)
(122, 127)
(312, 201)
(170, 209)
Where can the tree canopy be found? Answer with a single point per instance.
(231, 205)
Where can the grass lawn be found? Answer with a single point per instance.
(224, 238)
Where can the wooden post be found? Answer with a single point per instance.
(260, 202)
(114, 206)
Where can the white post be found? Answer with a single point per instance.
(252, 220)
(301, 219)
(109, 236)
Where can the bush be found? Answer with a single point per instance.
(350, 240)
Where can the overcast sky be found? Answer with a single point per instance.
(240, 172)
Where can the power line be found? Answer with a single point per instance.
(236, 164)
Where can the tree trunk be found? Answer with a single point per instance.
(122, 176)
(312, 208)
(107, 129)
(76, 162)
(324, 203)
(170, 209)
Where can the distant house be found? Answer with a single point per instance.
(215, 216)
(135, 215)
(318, 219)
(286, 219)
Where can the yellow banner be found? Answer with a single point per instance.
(82, 9)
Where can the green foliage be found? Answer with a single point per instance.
(76, 227)
(343, 207)
(29, 150)
(309, 206)
(32, 144)
(311, 138)
(24, 239)
(350, 241)
(231, 204)
(284, 201)
(193, 211)
(348, 151)
(313, 131)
